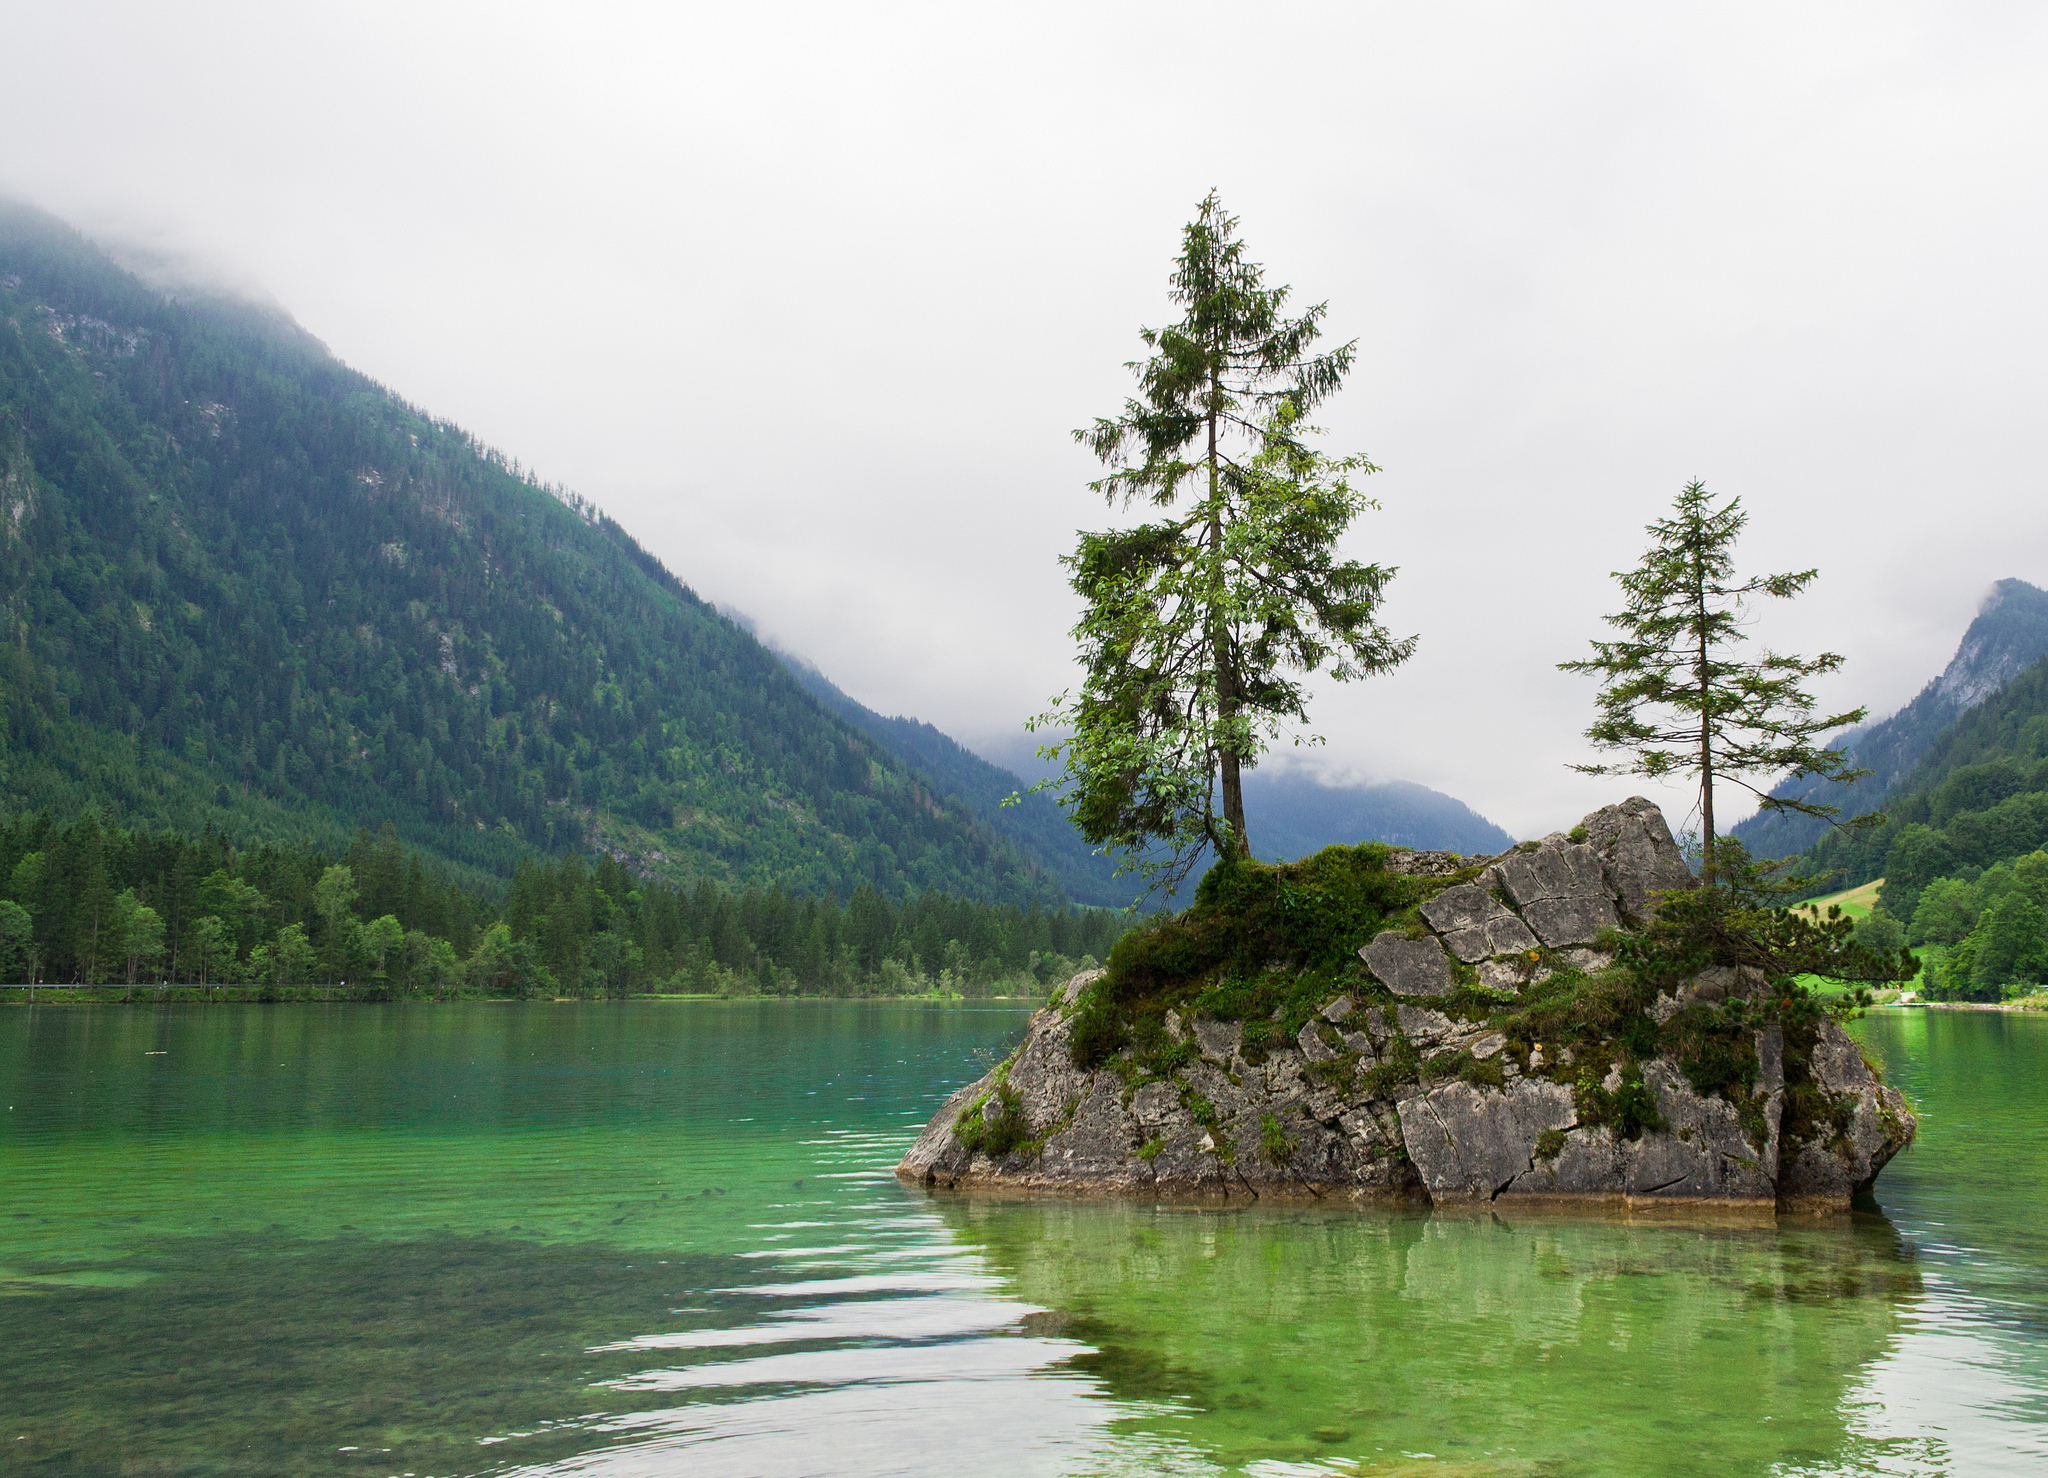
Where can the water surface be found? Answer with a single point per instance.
(662, 1238)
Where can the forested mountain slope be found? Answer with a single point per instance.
(1036, 824)
(1978, 797)
(243, 584)
(1291, 814)
(2009, 634)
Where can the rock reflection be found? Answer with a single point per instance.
(1511, 1345)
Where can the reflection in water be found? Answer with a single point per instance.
(664, 1240)
(1511, 1346)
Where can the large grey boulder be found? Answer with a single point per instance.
(1202, 1135)
(1315, 1116)
(1641, 858)
(1562, 893)
(1860, 1126)
(1408, 967)
(1467, 906)
(1703, 1154)
(1471, 1143)
(1567, 871)
(1559, 922)
(1098, 1147)
(1475, 925)
(1476, 1143)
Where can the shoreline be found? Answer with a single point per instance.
(305, 995)
(2023, 1007)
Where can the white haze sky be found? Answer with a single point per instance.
(809, 297)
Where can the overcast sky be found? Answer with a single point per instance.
(809, 297)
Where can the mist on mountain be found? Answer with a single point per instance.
(2009, 634)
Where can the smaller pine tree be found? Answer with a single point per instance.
(1673, 694)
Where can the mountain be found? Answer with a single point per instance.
(1979, 796)
(1035, 824)
(2009, 635)
(1291, 815)
(244, 587)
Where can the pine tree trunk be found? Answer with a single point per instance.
(1706, 741)
(1226, 675)
(1233, 803)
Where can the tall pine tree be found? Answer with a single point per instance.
(1198, 628)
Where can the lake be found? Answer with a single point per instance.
(662, 1238)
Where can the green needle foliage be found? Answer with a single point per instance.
(90, 903)
(1741, 919)
(1198, 628)
(1674, 695)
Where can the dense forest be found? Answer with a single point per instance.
(1962, 851)
(1986, 931)
(243, 587)
(1034, 821)
(88, 902)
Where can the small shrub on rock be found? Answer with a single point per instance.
(997, 1135)
(1274, 1142)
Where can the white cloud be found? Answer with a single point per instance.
(809, 296)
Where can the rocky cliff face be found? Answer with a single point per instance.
(1488, 1050)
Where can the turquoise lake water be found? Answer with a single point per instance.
(662, 1238)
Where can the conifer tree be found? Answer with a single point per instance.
(1674, 696)
(1198, 628)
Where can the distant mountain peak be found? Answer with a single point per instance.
(2008, 635)
(2006, 638)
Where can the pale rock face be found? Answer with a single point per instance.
(1448, 1140)
(1642, 859)
(1702, 1154)
(1562, 921)
(1508, 975)
(1467, 906)
(1312, 1045)
(1568, 871)
(1470, 1143)
(1043, 1076)
(1408, 967)
(1475, 925)
(1826, 1172)
(1423, 1027)
(1156, 1106)
(1218, 1039)
(1562, 893)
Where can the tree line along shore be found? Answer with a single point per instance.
(89, 903)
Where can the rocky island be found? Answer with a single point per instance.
(1376, 1022)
